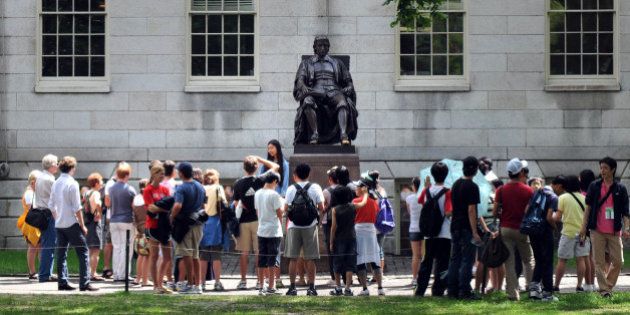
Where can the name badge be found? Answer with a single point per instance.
(610, 213)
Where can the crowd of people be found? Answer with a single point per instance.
(182, 219)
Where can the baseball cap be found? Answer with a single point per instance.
(186, 169)
(514, 166)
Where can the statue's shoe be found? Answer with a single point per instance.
(345, 140)
(314, 139)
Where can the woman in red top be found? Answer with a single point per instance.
(152, 193)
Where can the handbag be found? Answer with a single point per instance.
(38, 218)
(141, 245)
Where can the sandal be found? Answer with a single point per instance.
(108, 273)
(32, 276)
(97, 279)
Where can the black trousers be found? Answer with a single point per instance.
(438, 250)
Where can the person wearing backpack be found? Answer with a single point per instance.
(436, 200)
(304, 204)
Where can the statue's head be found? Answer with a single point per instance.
(321, 45)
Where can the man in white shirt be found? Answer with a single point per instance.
(65, 203)
(43, 184)
(303, 237)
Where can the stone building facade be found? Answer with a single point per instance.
(149, 102)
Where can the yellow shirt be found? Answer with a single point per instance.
(572, 214)
(31, 234)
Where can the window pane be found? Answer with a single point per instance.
(573, 4)
(439, 65)
(97, 5)
(49, 24)
(573, 65)
(230, 23)
(81, 44)
(65, 24)
(406, 44)
(556, 22)
(589, 5)
(198, 44)
(97, 66)
(230, 5)
(605, 43)
(439, 43)
(65, 5)
(423, 44)
(65, 67)
(81, 5)
(198, 24)
(214, 44)
(455, 22)
(439, 24)
(247, 66)
(589, 22)
(406, 65)
(214, 24)
(605, 64)
(606, 4)
(247, 24)
(246, 5)
(247, 44)
(65, 45)
(49, 45)
(214, 66)
(98, 24)
(82, 23)
(455, 65)
(422, 27)
(49, 5)
(98, 45)
(605, 22)
(557, 4)
(214, 5)
(573, 43)
(455, 43)
(49, 66)
(455, 5)
(556, 64)
(423, 65)
(198, 5)
(556, 42)
(81, 67)
(230, 66)
(589, 64)
(589, 43)
(573, 22)
(198, 66)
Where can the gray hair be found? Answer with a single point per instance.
(49, 161)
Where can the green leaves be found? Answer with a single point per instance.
(410, 11)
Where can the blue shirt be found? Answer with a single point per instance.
(191, 195)
(121, 196)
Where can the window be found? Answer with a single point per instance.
(581, 44)
(434, 53)
(222, 45)
(72, 46)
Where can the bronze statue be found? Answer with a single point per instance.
(327, 113)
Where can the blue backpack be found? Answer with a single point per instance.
(535, 221)
(385, 217)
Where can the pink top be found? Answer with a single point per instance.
(604, 225)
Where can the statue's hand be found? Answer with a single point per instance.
(305, 90)
(347, 90)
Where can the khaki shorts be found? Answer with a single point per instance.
(248, 238)
(189, 246)
(569, 247)
(306, 239)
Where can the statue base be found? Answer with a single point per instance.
(321, 158)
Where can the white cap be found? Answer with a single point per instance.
(514, 166)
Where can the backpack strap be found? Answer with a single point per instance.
(307, 187)
(578, 201)
(438, 195)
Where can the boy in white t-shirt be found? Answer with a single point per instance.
(268, 204)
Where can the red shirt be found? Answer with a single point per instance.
(367, 213)
(150, 195)
(514, 197)
(445, 201)
(605, 226)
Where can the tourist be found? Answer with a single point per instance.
(108, 248)
(212, 241)
(416, 240)
(121, 196)
(142, 247)
(327, 218)
(511, 200)
(606, 212)
(48, 237)
(244, 190)
(303, 237)
(65, 203)
(170, 176)
(31, 234)
(93, 219)
(586, 178)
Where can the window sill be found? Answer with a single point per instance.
(227, 86)
(560, 85)
(432, 85)
(72, 86)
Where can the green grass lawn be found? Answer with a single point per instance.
(121, 303)
(13, 262)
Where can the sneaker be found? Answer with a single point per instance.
(242, 285)
(180, 285)
(259, 286)
(579, 289)
(365, 292)
(261, 292)
(336, 291)
(188, 289)
(347, 292)
(414, 283)
(279, 284)
(292, 291)
(271, 291)
(535, 295)
(197, 289)
(548, 297)
(218, 286)
(381, 292)
(311, 292)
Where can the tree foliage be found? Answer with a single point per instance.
(407, 11)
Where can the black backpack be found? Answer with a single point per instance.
(431, 217)
(302, 210)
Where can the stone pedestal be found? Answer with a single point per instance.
(321, 158)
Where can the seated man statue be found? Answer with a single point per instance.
(327, 113)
